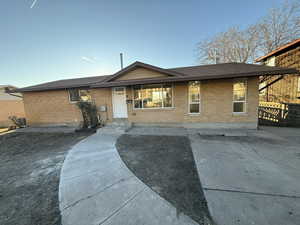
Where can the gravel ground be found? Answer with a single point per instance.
(166, 164)
(30, 166)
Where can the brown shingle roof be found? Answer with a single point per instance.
(63, 84)
(146, 66)
(279, 50)
(206, 72)
(223, 69)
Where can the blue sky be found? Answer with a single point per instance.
(46, 40)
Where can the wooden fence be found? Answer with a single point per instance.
(279, 114)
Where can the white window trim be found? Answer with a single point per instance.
(162, 108)
(246, 96)
(189, 102)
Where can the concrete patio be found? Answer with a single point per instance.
(253, 179)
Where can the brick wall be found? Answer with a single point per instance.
(216, 105)
(103, 97)
(10, 108)
(50, 108)
(53, 107)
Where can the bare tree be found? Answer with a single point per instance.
(234, 45)
(280, 26)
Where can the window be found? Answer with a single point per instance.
(239, 96)
(194, 97)
(76, 95)
(152, 96)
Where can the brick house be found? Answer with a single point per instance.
(211, 96)
(282, 89)
(10, 105)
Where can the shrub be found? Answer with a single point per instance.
(19, 122)
(89, 114)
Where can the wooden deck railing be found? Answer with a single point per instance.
(279, 114)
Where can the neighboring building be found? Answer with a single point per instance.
(10, 106)
(285, 89)
(211, 96)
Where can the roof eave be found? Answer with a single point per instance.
(21, 90)
(276, 51)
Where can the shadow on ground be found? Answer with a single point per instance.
(166, 164)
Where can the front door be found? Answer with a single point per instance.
(119, 102)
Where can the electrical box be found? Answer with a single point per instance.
(102, 108)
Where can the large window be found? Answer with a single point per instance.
(239, 96)
(152, 96)
(76, 95)
(194, 97)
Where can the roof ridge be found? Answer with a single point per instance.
(81, 78)
(67, 80)
(206, 65)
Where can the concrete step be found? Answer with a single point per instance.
(111, 130)
(120, 123)
(118, 126)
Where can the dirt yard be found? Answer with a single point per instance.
(166, 164)
(30, 165)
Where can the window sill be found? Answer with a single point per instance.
(194, 114)
(146, 109)
(240, 114)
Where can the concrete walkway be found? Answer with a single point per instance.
(250, 180)
(97, 188)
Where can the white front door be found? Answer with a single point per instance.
(119, 102)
